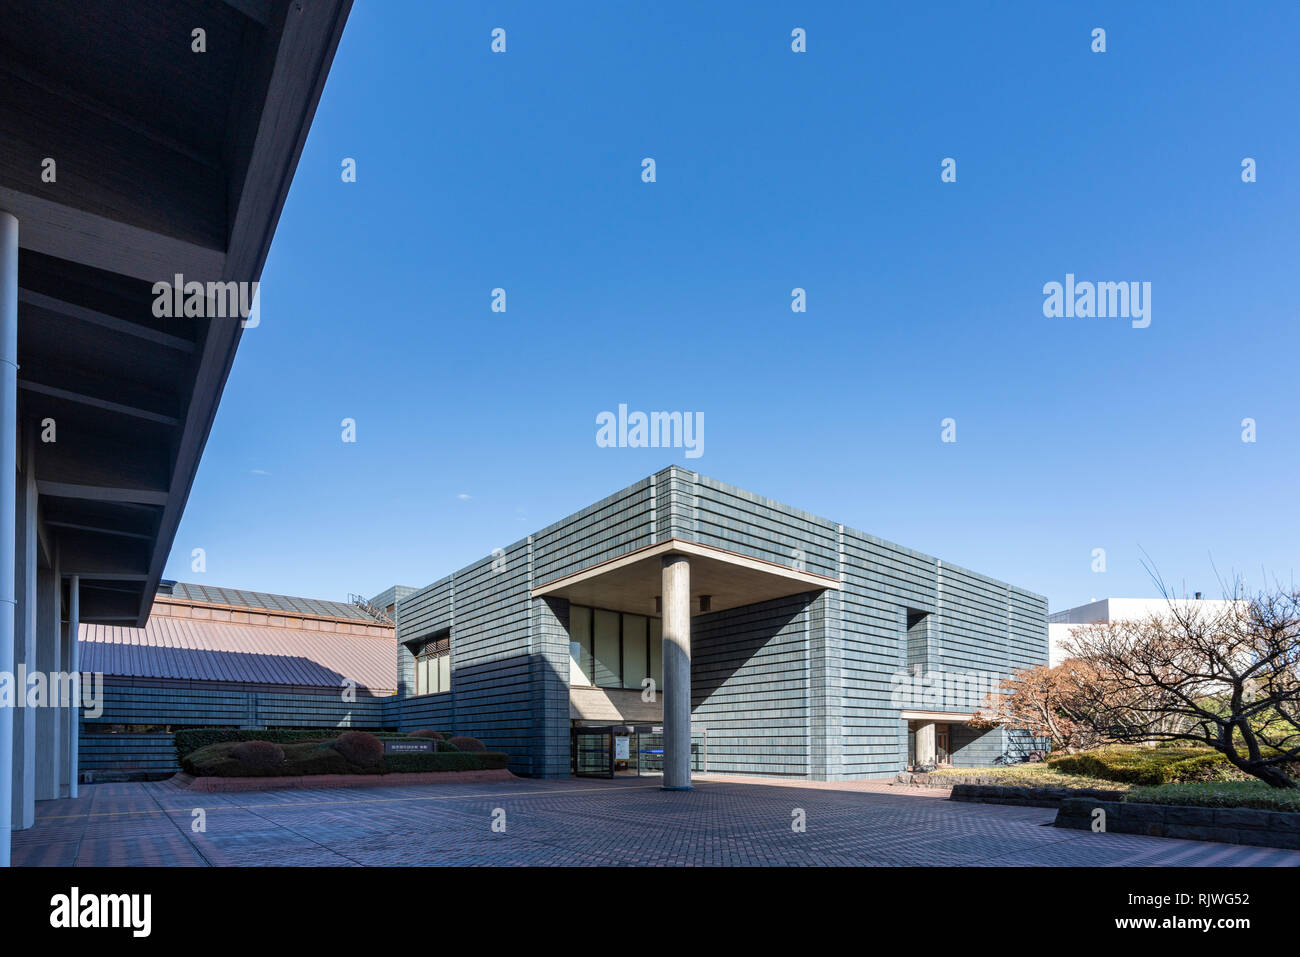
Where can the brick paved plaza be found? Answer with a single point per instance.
(581, 822)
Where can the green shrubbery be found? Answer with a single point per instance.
(258, 754)
(231, 752)
(189, 740)
(1147, 766)
(1254, 794)
(359, 747)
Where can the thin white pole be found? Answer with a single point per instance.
(8, 486)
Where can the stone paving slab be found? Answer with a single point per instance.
(583, 822)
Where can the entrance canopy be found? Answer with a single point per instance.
(632, 582)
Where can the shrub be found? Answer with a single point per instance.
(426, 733)
(468, 744)
(262, 755)
(320, 757)
(447, 761)
(1252, 794)
(189, 740)
(359, 747)
(1147, 766)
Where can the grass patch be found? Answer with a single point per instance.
(1255, 794)
(1031, 776)
(319, 757)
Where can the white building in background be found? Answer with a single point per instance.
(1060, 623)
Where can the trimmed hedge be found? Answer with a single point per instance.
(447, 761)
(1221, 794)
(359, 747)
(320, 757)
(258, 754)
(1146, 766)
(190, 740)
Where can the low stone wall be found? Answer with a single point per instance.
(1227, 825)
(1028, 797)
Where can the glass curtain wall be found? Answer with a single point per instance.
(611, 649)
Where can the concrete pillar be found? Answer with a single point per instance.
(677, 671)
(49, 658)
(8, 505)
(24, 764)
(72, 715)
(925, 743)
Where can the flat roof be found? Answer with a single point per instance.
(168, 161)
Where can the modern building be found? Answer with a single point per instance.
(1060, 624)
(210, 657)
(142, 143)
(682, 624)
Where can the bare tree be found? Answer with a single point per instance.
(1034, 700)
(1227, 676)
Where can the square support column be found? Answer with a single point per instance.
(49, 658)
(24, 718)
(72, 715)
(8, 504)
(677, 671)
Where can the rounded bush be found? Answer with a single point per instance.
(426, 733)
(359, 747)
(447, 746)
(258, 754)
(468, 744)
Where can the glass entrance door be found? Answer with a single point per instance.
(591, 752)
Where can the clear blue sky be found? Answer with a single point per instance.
(775, 170)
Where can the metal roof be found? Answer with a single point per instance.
(199, 650)
(212, 594)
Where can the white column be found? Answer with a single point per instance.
(925, 744)
(677, 671)
(8, 504)
(74, 666)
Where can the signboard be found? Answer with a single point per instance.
(409, 746)
(622, 748)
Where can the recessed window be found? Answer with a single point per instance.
(433, 666)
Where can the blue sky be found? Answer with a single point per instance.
(777, 170)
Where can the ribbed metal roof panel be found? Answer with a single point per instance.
(200, 650)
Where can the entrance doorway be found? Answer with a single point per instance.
(626, 750)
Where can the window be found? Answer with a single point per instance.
(636, 661)
(580, 655)
(610, 649)
(433, 666)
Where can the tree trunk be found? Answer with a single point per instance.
(1270, 774)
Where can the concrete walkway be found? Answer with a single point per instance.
(724, 821)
